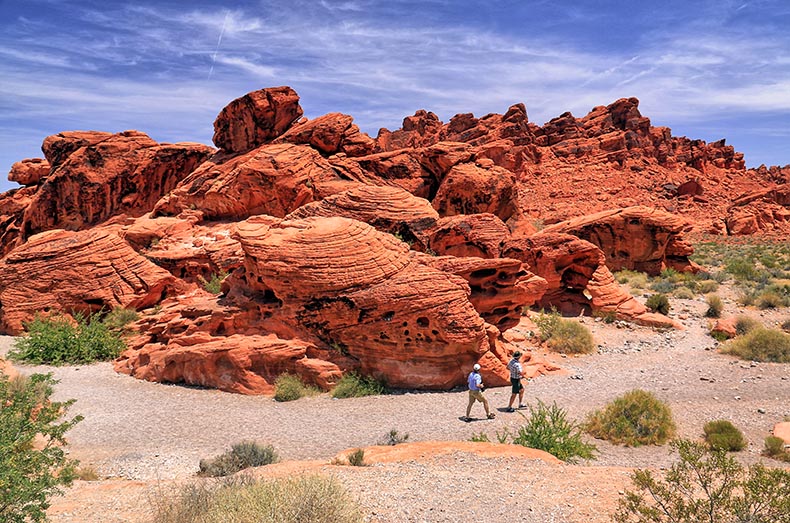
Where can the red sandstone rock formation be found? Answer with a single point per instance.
(95, 177)
(330, 134)
(636, 238)
(29, 172)
(272, 179)
(62, 271)
(12, 207)
(766, 210)
(256, 118)
(473, 189)
(480, 235)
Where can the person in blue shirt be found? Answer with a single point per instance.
(476, 388)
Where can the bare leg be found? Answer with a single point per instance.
(512, 399)
(485, 405)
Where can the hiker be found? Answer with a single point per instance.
(476, 389)
(516, 386)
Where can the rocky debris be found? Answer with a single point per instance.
(765, 210)
(256, 118)
(62, 271)
(272, 179)
(29, 171)
(105, 176)
(330, 134)
(635, 238)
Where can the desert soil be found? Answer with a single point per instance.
(144, 439)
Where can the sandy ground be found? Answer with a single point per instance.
(144, 438)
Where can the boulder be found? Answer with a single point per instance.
(29, 172)
(124, 173)
(330, 134)
(64, 271)
(726, 327)
(782, 430)
(472, 189)
(256, 118)
(462, 235)
(58, 147)
(12, 208)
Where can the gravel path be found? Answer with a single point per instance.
(142, 431)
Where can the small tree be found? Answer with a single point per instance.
(707, 485)
(30, 474)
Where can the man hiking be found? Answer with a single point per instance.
(476, 388)
(516, 387)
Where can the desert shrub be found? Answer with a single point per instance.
(745, 324)
(663, 286)
(56, 340)
(482, 437)
(288, 387)
(769, 300)
(118, 319)
(635, 418)
(606, 316)
(775, 448)
(722, 434)
(683, 293)
(214, 282)
(241, 456)
(33, 462)
(313, 498)
(565, 336)
(548, 429)
(635, 279)
(357, 458)
(352, 385)
(761, 344)
(715, 306)
(658, 303)
(786, 325)
(707, 286)
(394, 437)
(707, 485)
(86, 473)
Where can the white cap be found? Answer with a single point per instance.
(477, 366)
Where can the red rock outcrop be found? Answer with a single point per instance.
(29, 172)
(272, 179)
(256, 118)
(473, 189)
(766, 210)
(82, 271)
(12, 208)
(123, 173)
(477, 235)
(636, 238)
(330, 134)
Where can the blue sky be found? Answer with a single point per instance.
(707, 69)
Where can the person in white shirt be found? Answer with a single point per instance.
(476, 388)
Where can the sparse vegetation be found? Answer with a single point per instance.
(313, 498)
(288, 387)
(707, 485)
(357, 458)
(58, 340)
(715, 306)
(683, 293)
(565, 336)
(394, 437)
(214, 283)
(745, 324)
(707, 286)
(636, 280)
(548, 429)
(760, 344)
(775, 448)
(786, 325)
(87, 473)
(241, 456)
(658, 303)
(481, 437)
(33, 462)
(633, 419)
(722, 434)
(352, 385)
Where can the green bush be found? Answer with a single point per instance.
(769, 300)
(715, 306)
(56, 340)
(118, 319)
(707, 287)
(658, 303)
(357, 458)
(761, 344)
(394, 437)
(636, 280)
(214, 283)
(683, 293)
(775, 448)
(565, 336)
(548, 429)
(352, 385)
(288, 387)
(241, 456)
(33, 462)
(722, 434)
(745, 324)
(635, 418)
(707, 485)
(299, 499)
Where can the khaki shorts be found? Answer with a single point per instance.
(476, 395)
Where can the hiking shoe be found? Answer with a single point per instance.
(491, 416)
(510, 409)
(466, 419)
(522, 406)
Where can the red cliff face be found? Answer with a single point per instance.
(404, 257)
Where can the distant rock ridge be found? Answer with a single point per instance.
(403, 257)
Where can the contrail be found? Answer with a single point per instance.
(219, 41)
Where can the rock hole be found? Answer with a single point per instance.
(422, 321)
